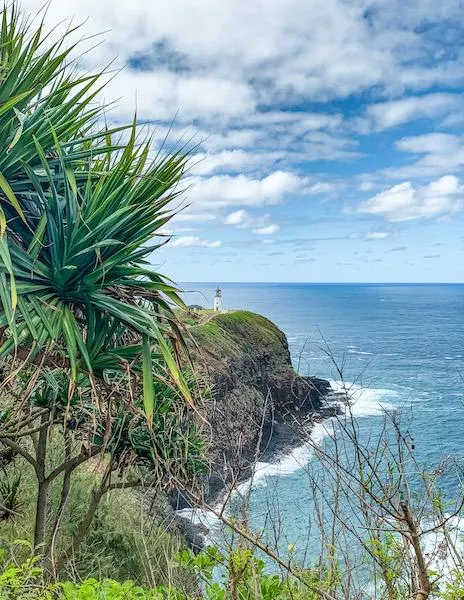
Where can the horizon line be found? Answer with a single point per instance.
(217, 282)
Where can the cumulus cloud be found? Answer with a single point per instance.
(238, 217)
(267, 230)
(244, 220)
(242, 190)
(312, 50)
(405, 202)
(163, 95)
(384, 115)
(333, 49)
(441, 153)
(187, 241)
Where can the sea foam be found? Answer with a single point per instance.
(363, 402)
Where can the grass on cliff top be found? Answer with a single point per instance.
(237, 333)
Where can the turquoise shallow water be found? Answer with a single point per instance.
(404, 343)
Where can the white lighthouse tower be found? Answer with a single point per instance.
(217, 300)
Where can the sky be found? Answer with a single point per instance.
(328, 135)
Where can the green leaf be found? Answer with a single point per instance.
(148, 387)
(72, 180)
(6, 259)
(21, 118)
(5, 187)
(2, 222)
(175, 372)
(36, 242)
(6, 106)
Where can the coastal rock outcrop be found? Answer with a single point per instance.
(258, 401)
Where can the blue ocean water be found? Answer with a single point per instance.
(402, 343)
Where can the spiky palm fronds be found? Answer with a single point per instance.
(77, 219)
(41, 95)
(75, 276)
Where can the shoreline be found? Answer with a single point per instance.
(280, 460)
(280, 439)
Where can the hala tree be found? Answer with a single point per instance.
(81, 206)
(64, 434)
(78, 216)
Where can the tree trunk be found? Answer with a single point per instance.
(49, 556)
(425, 586)
(41, 511)
(84, 525)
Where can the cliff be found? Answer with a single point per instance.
(256, 395)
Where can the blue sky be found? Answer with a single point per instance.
(330, 134)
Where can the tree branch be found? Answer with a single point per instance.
(19, 450)
(72, 463)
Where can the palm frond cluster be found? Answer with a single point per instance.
(80, 209)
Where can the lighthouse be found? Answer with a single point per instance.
(217, 300)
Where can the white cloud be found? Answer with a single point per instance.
(384, 115)
(230, 160)
(405, 202)
(187, 241)
(163, 95)
(377, 235)
(440, 143)
(233, 161)
(241, 190)
(238, 217)
(442, 153)
(267, 230)
(312, 50)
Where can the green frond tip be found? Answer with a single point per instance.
(175, 372)
(148, 386)
(2, 222)
(5, 258)
(6, 189)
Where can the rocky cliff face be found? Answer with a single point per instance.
(256, 395)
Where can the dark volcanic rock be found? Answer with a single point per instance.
(258, 400)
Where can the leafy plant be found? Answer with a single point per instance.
(20, 582)
(89, 340)
(79, 215)
(10, 502)
(252, 584)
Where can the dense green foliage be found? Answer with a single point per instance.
(90, 347)
(79, 212)
(87, 466)
(132, 536)
(235, 575)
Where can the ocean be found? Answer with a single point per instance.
(401, 346)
